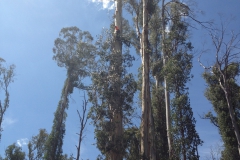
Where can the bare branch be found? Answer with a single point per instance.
(83, 121)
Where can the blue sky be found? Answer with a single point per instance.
(28, 29)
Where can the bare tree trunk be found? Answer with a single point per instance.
(167, 97)
(147, 125)
(116, 153)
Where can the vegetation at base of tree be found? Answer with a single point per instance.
(13, 152)
(37, 145)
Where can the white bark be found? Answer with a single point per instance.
(147, 125)
(167, 97)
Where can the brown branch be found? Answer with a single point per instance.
(83, 121)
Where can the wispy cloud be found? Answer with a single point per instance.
(8, 121)
(21, 142)
(106, 4)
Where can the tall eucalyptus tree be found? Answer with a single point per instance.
(113, 92)
(115, 106)
(177, 71)
(143, 11)
(74, 51)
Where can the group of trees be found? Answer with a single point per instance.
(160, 35)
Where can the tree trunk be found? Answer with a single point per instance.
(167, 97)
(147, 125)
(116, 153)
(231, 112)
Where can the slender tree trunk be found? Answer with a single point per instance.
(145, 89)
(147, 125)
(231, 112)
(116, 153)
(235, 125)
(83, 121)
(167, 97)
(55, 143)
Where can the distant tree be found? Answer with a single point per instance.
(215, 152)
(6, 77)
(36, 146)
(74, 51)
(13, 152)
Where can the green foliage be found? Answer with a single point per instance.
(74, 51)
(159, 114)
(113, 87)
(13, 152)
(178, 72)
(216, 96)
(36, 146)
(186, 139)
(55, 139)
(132, 142)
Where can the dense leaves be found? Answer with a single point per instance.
(14, 152)
(113, 91)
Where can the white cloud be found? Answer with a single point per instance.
(21, 142)
(106, 4)
(8, 121)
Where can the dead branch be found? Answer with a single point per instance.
(83, 121)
